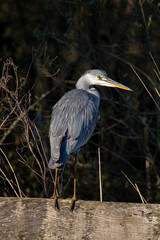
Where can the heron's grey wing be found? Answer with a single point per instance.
(57, 133)
(72, 123)
(82, 122)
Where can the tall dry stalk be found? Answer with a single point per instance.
(100, 175)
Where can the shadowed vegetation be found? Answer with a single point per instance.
(53, 43)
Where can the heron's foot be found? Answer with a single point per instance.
(73, 203)
(56, 201)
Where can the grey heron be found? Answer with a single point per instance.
(74, 119)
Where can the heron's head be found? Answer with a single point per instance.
(99, 77)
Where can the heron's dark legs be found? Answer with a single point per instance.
(74, 199)
(54, 196)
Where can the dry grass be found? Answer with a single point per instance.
(16, 106)
(135, 187)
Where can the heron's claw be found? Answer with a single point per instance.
(57, 204)
(56, 201)
(73, 204)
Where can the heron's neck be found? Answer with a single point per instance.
(83, 82)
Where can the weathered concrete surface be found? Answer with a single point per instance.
(29, 219)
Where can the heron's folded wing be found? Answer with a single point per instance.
(82, 126)
(57, 132)
(72, 123)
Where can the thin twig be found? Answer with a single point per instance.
(44, 166)
(157, 92)
(154, 63)
(12, 172)
(7, 116)
(136, 188)
(158, 76)
(14, 123)
(36, 174)
(9, 183)
(145, 87)
(45, 157)
(141, 197)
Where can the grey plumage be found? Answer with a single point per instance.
(72, 123)
(74, 116)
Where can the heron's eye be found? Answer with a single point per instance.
(99, 77)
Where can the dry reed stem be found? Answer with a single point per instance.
(43, 172)
(135, 187)
(18, 186)
(45, 157)
(158, 76)
(36, 174)
(141, 197)
(157, 92)
(9, 183)
(100, 175)
(154, 63)
(145, 87)
(27, 129)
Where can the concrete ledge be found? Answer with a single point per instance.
(28, 219)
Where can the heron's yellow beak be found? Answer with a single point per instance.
(110, 83)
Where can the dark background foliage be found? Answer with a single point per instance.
(53, 43)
